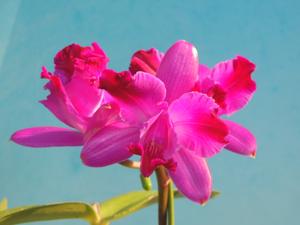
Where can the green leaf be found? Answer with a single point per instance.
(124, 205)
(70, 210)
(3, 204)
(97, 214)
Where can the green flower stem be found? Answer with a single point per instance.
(162, 181)
(171, 210)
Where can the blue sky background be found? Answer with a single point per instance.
(264, 191)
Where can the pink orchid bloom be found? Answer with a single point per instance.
(74, 95)
(182, 127)
(229, 83)
(76, 100)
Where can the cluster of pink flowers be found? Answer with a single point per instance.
(166, 108)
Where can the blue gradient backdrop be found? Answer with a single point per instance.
(264, 191)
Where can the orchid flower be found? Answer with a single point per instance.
(229, 83)
(76, 100)
(181, 127)
(73, 98)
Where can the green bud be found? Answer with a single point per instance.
(146, 182)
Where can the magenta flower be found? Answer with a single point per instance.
(74, 95)
(229, 83)
(76, 100)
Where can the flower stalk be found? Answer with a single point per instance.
(162, 181)
(171, 209)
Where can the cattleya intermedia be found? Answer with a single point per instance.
(166, 108)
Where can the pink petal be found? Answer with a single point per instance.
(158, 144)
(85, 98)
(40, 137)
(204, 72)
(139, 95)
(204, 80)
(192, 176)
(241, 140)
(107, 114)
(196, 124)
(234, 77)
(109, 145)
(179, 69)
(145, 61)
(59, 103)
